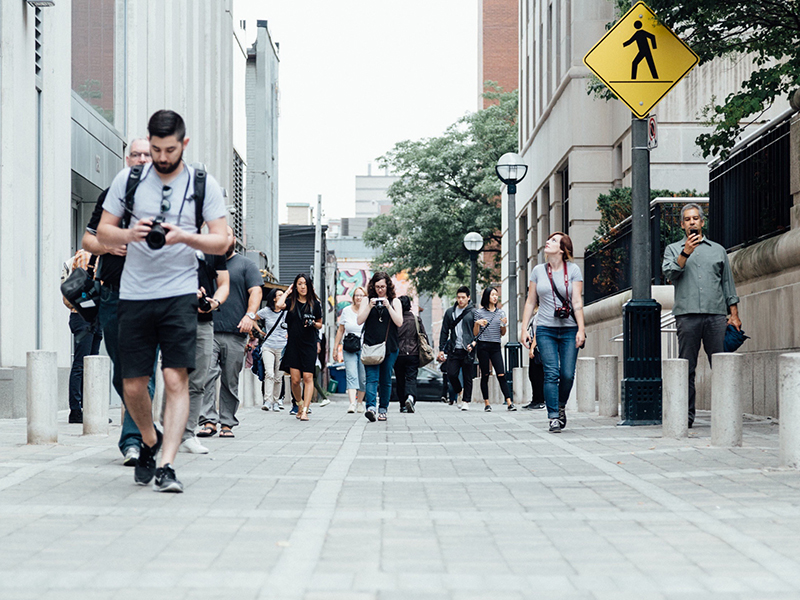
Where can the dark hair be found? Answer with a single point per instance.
(565, 243)
(292, 300)
(272, 295)
(405, 302)
(165, 123)
(375, 279)
(463, 290)
(485, 297)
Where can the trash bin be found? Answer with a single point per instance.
(337, 375)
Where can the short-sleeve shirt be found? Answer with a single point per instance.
(243, 275)
(172, 270)
(110, 266)
(492, 331)
(379, 327)
(548, 301)
(277, 333)
(349, 319)
(208, 267)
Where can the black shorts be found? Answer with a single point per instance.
(147, 325)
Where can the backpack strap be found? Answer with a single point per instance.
(134, 179)
(199, 193)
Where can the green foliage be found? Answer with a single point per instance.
(765, 31)
(447, 187)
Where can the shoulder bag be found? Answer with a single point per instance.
(82, 291)
(374, 354)
(425, 350)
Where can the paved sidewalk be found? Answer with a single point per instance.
(441, 504)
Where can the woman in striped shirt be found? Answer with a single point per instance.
(490, 327)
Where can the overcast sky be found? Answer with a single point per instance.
(357, 76)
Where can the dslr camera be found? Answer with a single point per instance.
(157, 236)
(378, 301)
(308, 320)
(204, 304)
(562, 312)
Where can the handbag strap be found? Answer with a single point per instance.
(483, 329)
(277, 322)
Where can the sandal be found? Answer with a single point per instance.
(303, 414)
(226, 432)
(207, 430)
(382, 416)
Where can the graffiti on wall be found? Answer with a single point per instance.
(353, 275)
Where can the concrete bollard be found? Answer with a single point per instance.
(159, 395)
(518, 393)
(527, 390)
(585, 384)
(675, 405)
(42, 388)
(789, 409)
(726, 399)
(96, 387)
(608, 385)
(476, 390)
(246, 387)
(495, 395)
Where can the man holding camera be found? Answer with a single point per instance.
(158, 289)
(705, 296)
(232, 324)
(458, 341)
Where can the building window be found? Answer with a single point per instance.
(238, 197)
(93, 27)
(565, 200)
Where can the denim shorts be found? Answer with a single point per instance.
(354, 371)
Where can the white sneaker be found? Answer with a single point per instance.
(265, 406)
(465, 406)
(276, 407)
(280, 404)
(360, 408)
(324, 402)
(192, 446)
(131, 456)
(352, 407)
(459, 400)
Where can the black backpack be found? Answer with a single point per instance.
(199, 195)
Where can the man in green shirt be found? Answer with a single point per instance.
(705, 296)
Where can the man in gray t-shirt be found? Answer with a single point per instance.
(158, 301)
(232, 324)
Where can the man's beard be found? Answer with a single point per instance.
(170, 167)
(231, 248)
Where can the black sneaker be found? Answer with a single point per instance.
(166, 481)
(555, 426)
(511, 407)
(534, 406)
(76, 416)
(409, 404)
(146, 466)
(562, 416)
(487, 408)
(370, 414)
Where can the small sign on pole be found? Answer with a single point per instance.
(652, 132)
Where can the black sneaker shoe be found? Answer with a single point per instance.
(555, 426)
(370, 414)
(146, 466)
(511, 407)
(487, 408)
(76, 416)
(562, 416)
(409, 404)
(166, 481)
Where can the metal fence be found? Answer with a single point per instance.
(749, 191)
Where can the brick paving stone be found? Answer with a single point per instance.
(439, 504)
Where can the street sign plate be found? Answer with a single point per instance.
(640, 59)
(652, 132)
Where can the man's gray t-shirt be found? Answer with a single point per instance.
(244, 275)
(547, 307)
(172, 270)
(459, 332)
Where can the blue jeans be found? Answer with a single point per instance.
(354, 371)
(379, 378)
(109, 299)
(87, 338)
(559, 355)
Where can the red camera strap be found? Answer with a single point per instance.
(564, 302)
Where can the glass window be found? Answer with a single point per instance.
(93, 26)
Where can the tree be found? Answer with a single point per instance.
(447, 187)
(766, 31)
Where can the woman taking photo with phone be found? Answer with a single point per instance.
(490, 327)
(303, 320)
(349, 331)
(381, 315)
(556, 286)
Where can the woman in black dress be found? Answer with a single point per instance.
(303, 320)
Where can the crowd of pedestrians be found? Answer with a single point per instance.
(191, 298)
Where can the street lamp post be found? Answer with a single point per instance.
(511, 170)
(473, 242)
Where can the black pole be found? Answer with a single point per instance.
(513, 346)
(473, 275)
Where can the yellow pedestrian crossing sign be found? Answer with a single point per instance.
(640, 59)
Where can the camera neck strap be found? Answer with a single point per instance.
(564, 302)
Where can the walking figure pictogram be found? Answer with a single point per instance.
(642, 39)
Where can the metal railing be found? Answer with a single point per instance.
(607, 270)
(749, 191)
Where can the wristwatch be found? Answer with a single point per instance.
(251, 315)
(684, 254)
